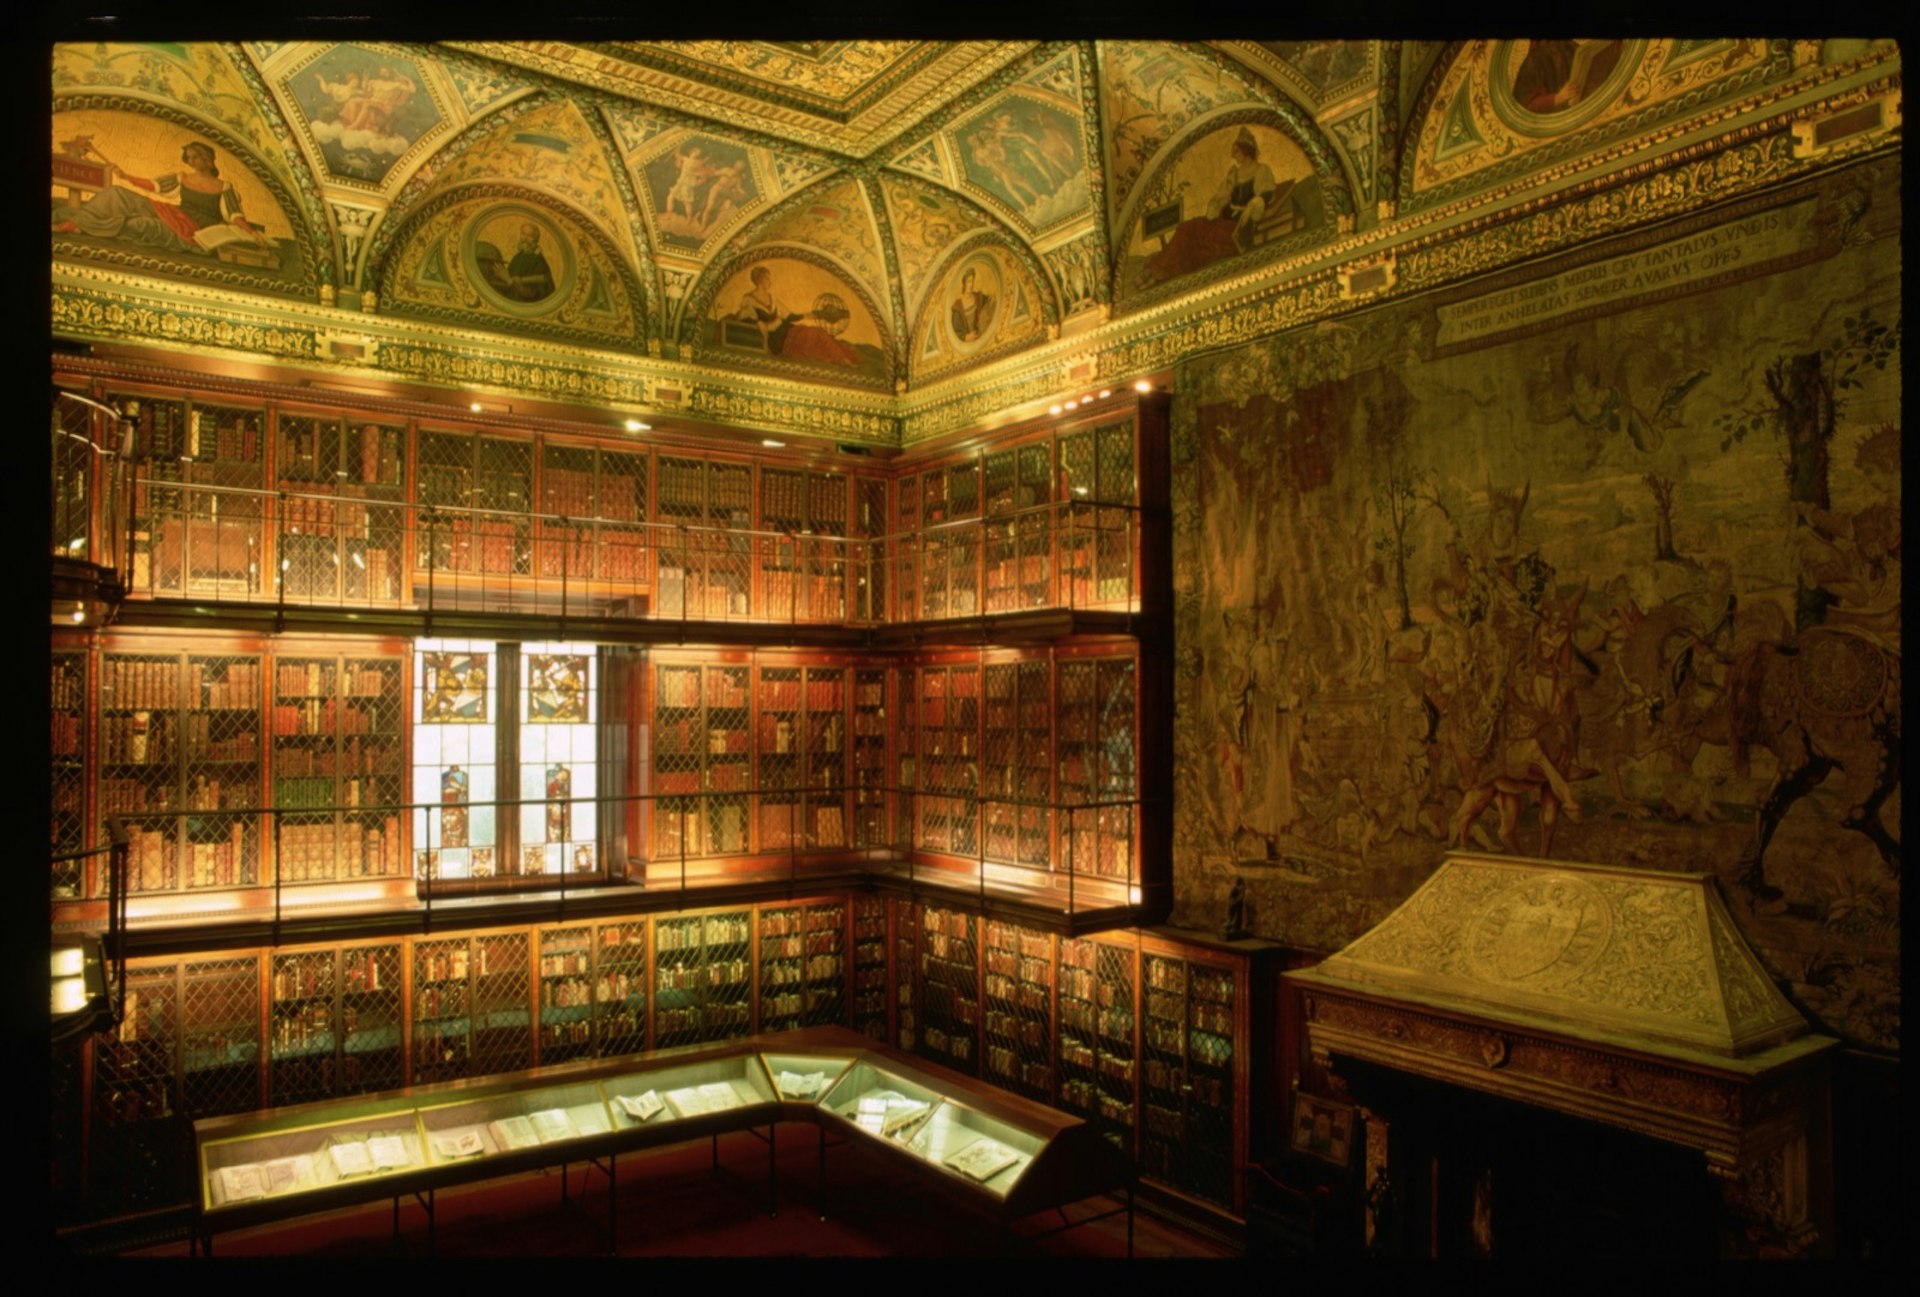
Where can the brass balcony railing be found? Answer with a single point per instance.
(350, 549)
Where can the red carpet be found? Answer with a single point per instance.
(671, 1203)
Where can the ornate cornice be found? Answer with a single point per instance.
(91, 304)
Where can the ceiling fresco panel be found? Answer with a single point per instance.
(697, 188)
(851, 97)
(365, 109)
(156, 191)
(1024, 153)
(1502, 108)
(926, 223)
(506, 258)
(198, 78)
(795, 315)
(1154, 91)
(986, 304)
(832, 218)
(1235, 189)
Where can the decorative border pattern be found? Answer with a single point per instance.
(98, 305)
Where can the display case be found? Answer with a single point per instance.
(514, 1118)
(990, 1151)
(975, 1146)
(319, 1154)
(698, 1091)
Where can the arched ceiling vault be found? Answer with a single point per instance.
(865, 214)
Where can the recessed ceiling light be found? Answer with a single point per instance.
(1143, 386)
(634, 425)
(771, 444)
(1072, 404)
(475, 407)
(1054, 410)
(1105, 392)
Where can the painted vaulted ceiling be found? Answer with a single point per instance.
(867, 214)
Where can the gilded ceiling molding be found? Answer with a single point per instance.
(652, 312)
(1067, 261)
(331, 271)
(1432, 248)
(1386, 187)
(889, 256)
(97, 305)
(633, 81)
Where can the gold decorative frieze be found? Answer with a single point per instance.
(1361, 279)
(1847, 127)
(95, 305)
